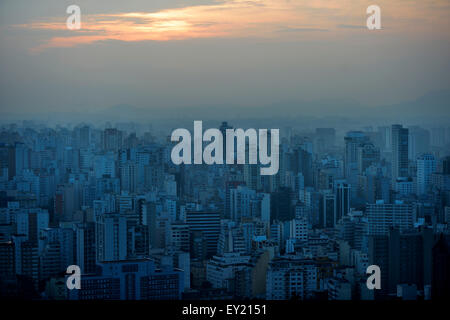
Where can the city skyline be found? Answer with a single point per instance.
(247, 151)
(134, 225)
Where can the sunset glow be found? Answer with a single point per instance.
(246, 18)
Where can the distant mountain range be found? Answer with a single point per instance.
(432, 107)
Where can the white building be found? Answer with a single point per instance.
(221, 269)
(299, 229)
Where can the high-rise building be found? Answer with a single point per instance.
(229, 186)
(426, 165)
(353, 229)
(354, 157)
(56, 251)
(299, 228)
(111, 139)
(384, 216)
(281, 206)
(111, 237)
(18, 159)
(368, 154)
(85, 136)
(208, 223)
(31, 222)
(240, 200)
(65, 203)
(403, 257)
(440, 286)
(7, 261)
(342, 200)
(399, 152)
(419, 142)
(179, 236)
(353, 141)
(129, 177)
(446, 165)
(86, 247)
(4, 161)
(302, 162)
(252, 176)
(328, 213)
(385, 138)
(104, 164)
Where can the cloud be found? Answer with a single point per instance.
(302, 30)
(232, 19)
(351, 26)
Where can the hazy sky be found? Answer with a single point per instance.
(176, 53)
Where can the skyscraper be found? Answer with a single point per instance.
(426, 165)
(208, 223)
(342, 200)
(446, 165)
(353, 141)
(419, 141)
(368, 154)
(129, 177)
(399, 152)
(441, 263)
(111, 237)
(403, 257)
(85, 136)
(328, 214)
(85, 247)
(111, 139)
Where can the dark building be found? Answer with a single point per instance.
(302, 162)
(198, 248)
(208, 223)
(440, 286)
(85, 247)
(138, 279)
(403, 258)
(342, 200)
(280, 205)
(399, 152)
(328, 217)
(7, 261)
(446, 165)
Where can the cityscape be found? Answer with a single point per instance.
(109, 200)
(222, 158)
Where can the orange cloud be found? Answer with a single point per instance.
(245, 18)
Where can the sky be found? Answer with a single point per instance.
(180, 53)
